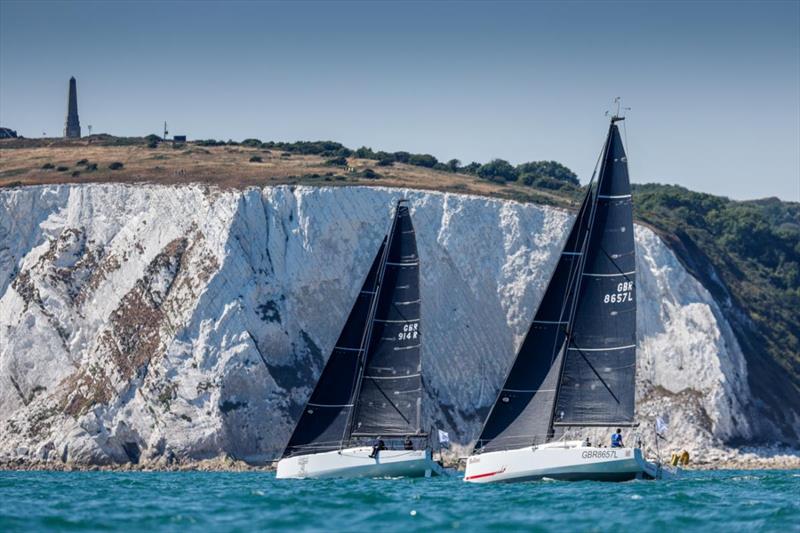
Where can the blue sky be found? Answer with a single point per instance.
(714, 87)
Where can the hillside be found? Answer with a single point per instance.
(745, 254)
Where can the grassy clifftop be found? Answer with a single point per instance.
(746, 253)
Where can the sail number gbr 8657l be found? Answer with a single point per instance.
(624, 294)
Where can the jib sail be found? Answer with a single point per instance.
(324, 420)
(521, 413)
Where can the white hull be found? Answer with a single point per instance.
(561, 460)
(356, 462)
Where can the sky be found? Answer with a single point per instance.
(713, 87)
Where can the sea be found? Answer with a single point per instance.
(720, 501)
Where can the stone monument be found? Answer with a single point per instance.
(72, 129)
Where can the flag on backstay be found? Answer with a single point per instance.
(661, 428)
(444, 439)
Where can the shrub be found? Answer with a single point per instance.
(546, 182)
(76, 173)
(82, 162)
(365, 153)
(48, 166)
(472, 168)
(402, 157)
(152, 144)
(256, 159)
(442, 167)
(385, 162)
(62, 168)
(254, 143)
(337, 162)
(498, 170)
(422, 160)
(152, 138)
(116, 165)
(370, 174)
(453, 165)
(550, 169)
(91, 167)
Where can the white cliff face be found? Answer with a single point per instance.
(148, 320)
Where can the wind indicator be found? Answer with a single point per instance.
(617, 116)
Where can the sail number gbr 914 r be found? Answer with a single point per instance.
(410, 331)
(624, 294)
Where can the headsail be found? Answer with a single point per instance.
(598, 378)
(324, 419)
(390, 399)
(576, 365)
(521, 413)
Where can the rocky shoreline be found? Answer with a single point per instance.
(714, 459)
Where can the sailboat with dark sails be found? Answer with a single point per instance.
(576, 367)
(371, 386)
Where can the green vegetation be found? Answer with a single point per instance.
(256, 159)
(62, 168)
(498, 170)
(116, 165)
(337, 162)
(48, 166)
(747, 254)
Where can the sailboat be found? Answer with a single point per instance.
(576, 366)
(371, 386)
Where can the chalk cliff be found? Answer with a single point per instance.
(144, 322)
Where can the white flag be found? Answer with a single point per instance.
(661, 427)
(444, 438)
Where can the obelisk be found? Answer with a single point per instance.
(72, 129)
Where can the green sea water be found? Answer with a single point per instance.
(723, 501)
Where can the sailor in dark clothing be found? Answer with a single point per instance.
(377, 446)
(408, 444)
(616, 439)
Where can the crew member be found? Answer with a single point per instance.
(408, 444)
(377, 446)
(587, 443)
(616, 439)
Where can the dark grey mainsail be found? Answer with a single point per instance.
(325, 417)
(390, 399)
(374, 391)
(576, 364)
(598, 378)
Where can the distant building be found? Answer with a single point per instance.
(72, 129)
(179, 138)
(7, 133)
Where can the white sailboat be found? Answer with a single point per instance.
(371, 386)
(576, 367)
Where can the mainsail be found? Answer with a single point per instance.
(598, 378)
(378, 390)
(390, 400)
(575, 365)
